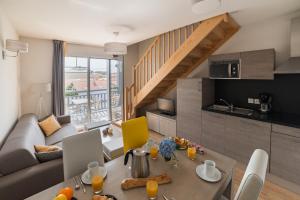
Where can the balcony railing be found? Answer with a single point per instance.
(77, 106)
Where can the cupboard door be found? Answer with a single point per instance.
(167, 127)
(153, 121)
(285, 157)
(244, 136)
(213, 135)
(258, 64)
(189, 108)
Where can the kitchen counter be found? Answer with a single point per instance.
(285, 119)
(160, 113)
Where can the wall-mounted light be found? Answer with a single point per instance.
(14, 46)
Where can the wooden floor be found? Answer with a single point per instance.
(270, 191)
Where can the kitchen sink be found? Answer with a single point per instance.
(235, 110)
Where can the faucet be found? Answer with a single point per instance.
(230, 105)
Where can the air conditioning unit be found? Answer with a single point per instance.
(16, 46)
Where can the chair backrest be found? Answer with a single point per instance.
(79, 150)
(254, 177)
(135, 133)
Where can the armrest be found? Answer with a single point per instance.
(31, 180)
(64, 119)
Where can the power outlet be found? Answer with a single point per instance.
(256, 101)
(251, 100)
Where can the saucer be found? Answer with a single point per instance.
(86, 179)
(200, 172)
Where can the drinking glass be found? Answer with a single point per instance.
(154, 152)
(97, 184)
(93, 168)
(152, 189)
(191, 153)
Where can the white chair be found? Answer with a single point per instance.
(79, 150)
(254, 177)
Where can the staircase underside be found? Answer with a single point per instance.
(209, 35)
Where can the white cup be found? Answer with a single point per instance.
(93, 168)
(209, 168)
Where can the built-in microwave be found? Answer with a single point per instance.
(229, 69)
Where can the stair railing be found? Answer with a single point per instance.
(155, 56)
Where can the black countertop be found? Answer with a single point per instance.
(286, 119)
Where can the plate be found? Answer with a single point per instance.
(85, 177)
(200, 172)
(110, 196)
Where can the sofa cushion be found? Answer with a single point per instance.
(50, 125)
(66, 131)
(18, 150)
(47, 156)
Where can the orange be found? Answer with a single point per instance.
(60, 197)
(67, 191)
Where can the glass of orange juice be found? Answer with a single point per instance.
(152, 189)
(191, 153)
(154, 152)
(97, 184)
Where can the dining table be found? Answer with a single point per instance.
(185, 182)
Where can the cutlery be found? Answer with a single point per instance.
(165, 198)
(82, 185)
(77, 186)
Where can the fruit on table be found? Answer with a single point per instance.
(100, 197)
(60, 197)
(67, 191)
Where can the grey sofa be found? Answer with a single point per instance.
(21, 174)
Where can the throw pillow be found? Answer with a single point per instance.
(49, 125)
(47, 153)
(47, 156)
(45, 148)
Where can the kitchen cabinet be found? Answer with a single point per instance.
(243, 136)
(161, 124)
(153, 121)
(234, 136)
(224, 57)
(285, 156)
(167, 126)
(258, 64)
(192, 94)
(213, 131)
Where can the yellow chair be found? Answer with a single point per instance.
(135, 133)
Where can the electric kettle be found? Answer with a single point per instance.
(140, 163)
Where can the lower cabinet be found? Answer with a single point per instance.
(213, 131)
(153, 121)
(234, 136)
(243, 136)
(285, 155)
(160, 124)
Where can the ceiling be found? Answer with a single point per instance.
(90, 21)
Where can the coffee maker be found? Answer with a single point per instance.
(265, 102)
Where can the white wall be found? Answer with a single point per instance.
(129, 61)
(36, 70)
(9, 81)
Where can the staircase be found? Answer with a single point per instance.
(174, 55)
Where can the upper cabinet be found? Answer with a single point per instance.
(259, 64)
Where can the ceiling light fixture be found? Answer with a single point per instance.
(115, 48)
(205, 6)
